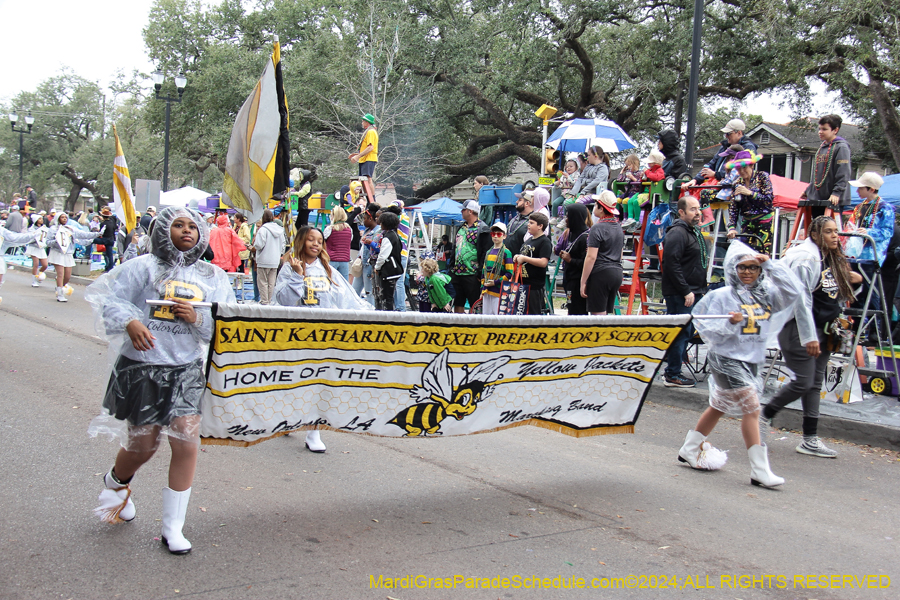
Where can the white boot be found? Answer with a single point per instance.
(700, 454)
(760, 473)
(34, 281)
(61, 295)
(174, 509)
(128, 511)
(314, 442)
(691, 448)
(115, 502)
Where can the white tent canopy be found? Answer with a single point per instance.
(183, 196)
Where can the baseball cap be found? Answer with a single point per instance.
(500, 226)
(471, 205)
(869, 180)
(526, 195)
(149, 208)
(734, 125)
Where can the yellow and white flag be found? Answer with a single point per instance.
(123, 199)
(257, 152)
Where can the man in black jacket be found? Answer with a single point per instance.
(674, 165)
(685, 258)
(109, 227)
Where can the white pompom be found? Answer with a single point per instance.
(69, 290)
(710, 458)
(42, 276)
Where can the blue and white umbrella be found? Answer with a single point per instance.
(577, 135)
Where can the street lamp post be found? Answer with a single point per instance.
(29, 121)
(180, 83)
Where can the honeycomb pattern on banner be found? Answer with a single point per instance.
(506, 397)
(294, 405)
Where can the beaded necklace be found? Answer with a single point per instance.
(828, 153)
(704, 251)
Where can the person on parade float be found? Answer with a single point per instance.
(756, 289)
(157, 379)
(367, 157)
(826, 281)
(829, 186)
(751, 201)
(308, 280)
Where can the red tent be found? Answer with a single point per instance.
(787, 191)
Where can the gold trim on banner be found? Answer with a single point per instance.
(577, 433)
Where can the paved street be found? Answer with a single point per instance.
(276, 521)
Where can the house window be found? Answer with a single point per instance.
(764, 138)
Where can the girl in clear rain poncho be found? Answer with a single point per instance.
(157, 379)
(757, 288)
(308, 280)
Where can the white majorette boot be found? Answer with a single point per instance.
(115, 501)
(35, 282)
(760, 473)
(174, 509)
(314, 442)
(700, 454)
(61, 295)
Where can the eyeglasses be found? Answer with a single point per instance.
(496, 234)
(748, 268)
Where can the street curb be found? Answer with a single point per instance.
(74, 279)
(830, 426)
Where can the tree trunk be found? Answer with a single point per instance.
(73, 197)
(679, 107)
(887, 113)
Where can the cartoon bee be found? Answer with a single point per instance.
(437, 385)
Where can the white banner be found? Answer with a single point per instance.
(273, 370)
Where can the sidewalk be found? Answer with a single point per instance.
(874, 421)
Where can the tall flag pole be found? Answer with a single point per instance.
(123, 199)
(257, 166)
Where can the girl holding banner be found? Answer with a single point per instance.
(157, 378)
(311, 282)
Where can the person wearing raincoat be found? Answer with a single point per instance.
(758, 289)
(157, 379)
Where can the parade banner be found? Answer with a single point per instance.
(273, 370)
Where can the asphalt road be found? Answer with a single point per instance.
(276, 521)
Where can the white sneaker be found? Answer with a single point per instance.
(813, 446)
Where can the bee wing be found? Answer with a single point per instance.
(437, 379)
(484, 371)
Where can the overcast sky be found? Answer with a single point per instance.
(97, 38)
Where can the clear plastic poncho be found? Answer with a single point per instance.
(737, 350)
(154, 383)
(315, 289)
